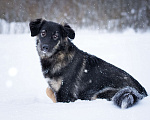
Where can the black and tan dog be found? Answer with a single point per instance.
(73, 74)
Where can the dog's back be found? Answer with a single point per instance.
(111, 83)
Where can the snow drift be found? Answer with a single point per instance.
(22, 88)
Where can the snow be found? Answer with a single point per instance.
(85, 71)
(23, 88)
(12, 71)
(13, 27)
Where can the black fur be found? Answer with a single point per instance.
(73, 74)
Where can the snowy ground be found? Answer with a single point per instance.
(22, 86)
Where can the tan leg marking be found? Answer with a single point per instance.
(50, 94)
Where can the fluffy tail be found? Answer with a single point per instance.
(127, 97)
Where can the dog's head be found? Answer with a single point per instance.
(49, 36)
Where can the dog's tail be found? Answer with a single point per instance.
(127, 97)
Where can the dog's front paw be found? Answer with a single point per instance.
(50, 94)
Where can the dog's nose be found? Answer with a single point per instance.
(45, 48)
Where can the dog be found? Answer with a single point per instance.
(72, 74)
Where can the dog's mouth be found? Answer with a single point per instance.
(44, 51)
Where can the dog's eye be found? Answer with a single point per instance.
(55, 36)
(43, 33)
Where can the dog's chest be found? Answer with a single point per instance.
(55, 84)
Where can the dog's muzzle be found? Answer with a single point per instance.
(45, 51)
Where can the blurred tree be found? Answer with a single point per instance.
(107, 15)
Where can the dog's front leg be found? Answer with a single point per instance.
(65, 96)
(50, 94)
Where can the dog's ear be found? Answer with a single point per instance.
(35, 26)
(68, 31)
